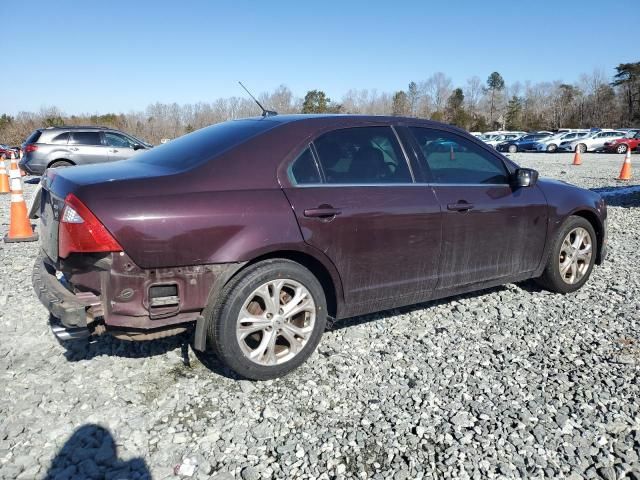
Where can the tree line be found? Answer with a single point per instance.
(595, 100)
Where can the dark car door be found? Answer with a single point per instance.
(362, 208)
(490, 229)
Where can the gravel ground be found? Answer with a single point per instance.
(510, 382)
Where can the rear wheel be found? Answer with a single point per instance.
(622, 148)
(552, 147)
(61, 164)
(268, 320)
(581, 147)
(572, 256)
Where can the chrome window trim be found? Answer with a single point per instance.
(415, 184)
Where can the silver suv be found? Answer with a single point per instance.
(55, 147)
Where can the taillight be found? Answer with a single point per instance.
(30, 148)
(81, 231)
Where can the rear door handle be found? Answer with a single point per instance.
(460, 206)
(113, 150)
(75, 149)
(322, 212)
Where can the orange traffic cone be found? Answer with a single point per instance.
(13, 166)
(4, 178)
(625, 171)
(19, 227)
(577, 159)
(15, 156)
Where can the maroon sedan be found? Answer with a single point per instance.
(255, 232)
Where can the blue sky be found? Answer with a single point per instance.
(117, 56)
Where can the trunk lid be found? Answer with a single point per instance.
(56, 184)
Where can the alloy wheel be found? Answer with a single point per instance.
(275, 322)
(575, 255)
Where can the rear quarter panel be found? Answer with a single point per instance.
(179, 229)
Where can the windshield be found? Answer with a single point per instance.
(631, 134)
(204, 144)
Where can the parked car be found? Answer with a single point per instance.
(594, 142)
(56, 147)
(550, 144)
(522, 144)
(629, 142)
(6, 150)
(255, 232)
(502, 138)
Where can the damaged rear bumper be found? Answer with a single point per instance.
(69, 309)
(112, 295)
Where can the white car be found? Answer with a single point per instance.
(551, 144)
(592, 142)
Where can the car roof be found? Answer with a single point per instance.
(79, 127)
(328, 120)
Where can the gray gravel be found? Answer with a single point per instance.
(511, 382)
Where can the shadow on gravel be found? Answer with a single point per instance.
(622, 196)
(91, 453)
(86, 349)
(32, 180)
(353, 321)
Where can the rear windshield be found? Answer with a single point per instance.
(33, 138)
(204, 144)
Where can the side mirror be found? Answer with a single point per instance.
(525, 177)
(137, 146)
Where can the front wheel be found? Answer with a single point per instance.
(622, 148)
(268, 320)
(513, 149)
(581, 147)
(573, 253)
(552, 147)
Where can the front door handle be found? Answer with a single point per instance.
(113, 150)
(461, 206)
(322, 211)
(75, 149)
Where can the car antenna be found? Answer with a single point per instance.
(265, 112)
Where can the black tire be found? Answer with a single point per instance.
(622, 148)
(552, 147)
(551, 278)
(581, 147)
(61, 164)
(512, 149)
(222, 317)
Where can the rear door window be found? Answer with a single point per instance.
(303, 170)
(362, 155)
(85, 138)
(453, 159)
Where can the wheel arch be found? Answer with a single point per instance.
(597, 225)
(70, 162)
(329, 281)
(326, 275)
